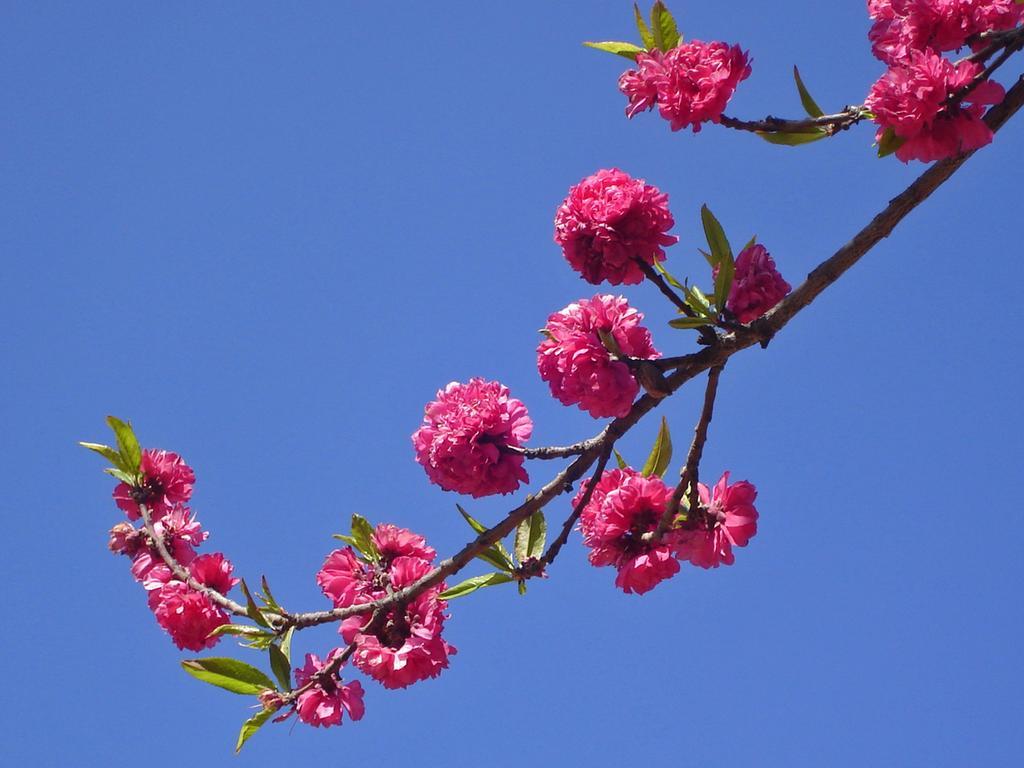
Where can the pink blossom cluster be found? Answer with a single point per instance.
(757, 285)
(465, 436)
(188, 616)
(625, 509)
(609, 222)
(904, 26)
(912, 100)
(925, 101)
(690, 84)
(405, 646)
(324, 703)
(575, 362)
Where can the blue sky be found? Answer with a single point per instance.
(267, 233)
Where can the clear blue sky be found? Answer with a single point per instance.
(267, 233)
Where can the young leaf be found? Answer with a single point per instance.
(362, 533)
(645, 32)
(235, 629)
(496, 554)
(665, 273)
(530, 536)
(810, 105)
(229, 674)
(110, 454)
(663, 27)
(127, 444)
(475, 583)
(698, 302)
(620, 461)
(286, 644)
(889, 143)
(688, 323)
(661, 453)
(723, 281)
(626, 50)
(250, 726)
(347, 539)
(268, 596)
(717, 241)
(707, 256)
(251, 609)
(792, 138)
(281, 667)
(522, 587)
(121, 475)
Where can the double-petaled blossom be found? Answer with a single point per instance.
(189, 616)
(624, 507)
(465, 433)
(757, 285)
(690, 84)
(904, 26)
(577, 365)
(405, 645)
(181, 533)
(914, 101)
(608, 222)
(166, 482)
(728, 519)
(324, 703)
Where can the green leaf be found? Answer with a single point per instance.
(689, 323)
(717, 241)
(793, 138)
(261, 641)
(889, 143)
(362, 533)
(668, 277)
(750, 243)
(252, 610)
(698, 301)
(475, 583)
(620, 461)
(530, 537)
(235, 629)
(121, 475)
(723, 282)
(110, 454)
(609, 342)
(626, 50)
(707, 256)
(127, 444)
(281, 667)
(229, 674)
(661, 453)
(522, 587)
(250, 726)
(347, 539)
(663, 27)
(268, 596)
(810, 105)
(286, 644)
(645, 32)
(496, 554)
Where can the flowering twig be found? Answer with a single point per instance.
(689, 474)
(831, 124)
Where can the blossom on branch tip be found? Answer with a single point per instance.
(728, 518)
(465, 432)
(166, 482)
(624, 506)
(912, 101)
(690, 84)
(578, 367)
(325, 702)
(609, 221)
(757, 285)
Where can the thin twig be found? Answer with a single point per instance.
(707, 335)
(548, 452)
(555, 547)
(831, 124)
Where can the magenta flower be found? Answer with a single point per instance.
(578, 367)
(166, 482)
(393, 542)
(608, 222)
(462, 442)
(188, 616)
(690, 84)
(904, 26)
(757, 285)
(181, 534)
(214, 571)
(126, 539)
(912, 101)
(626, 505)
(408, 646)
(729, 519)
(326, 702)
(344, 578)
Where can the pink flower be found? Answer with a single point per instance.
(578, 367)
(346, 579)
(904, 26)
(166, 481)
(325, 703)
(911, 100)
(757, 285)
(126, 539)
(188, 616)
(408, 646)
(626, 505)
(392, 542)
(464, 435)
(608, 221)
(729, 519)
(691, 84)
(181, 534)
(214, 571)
